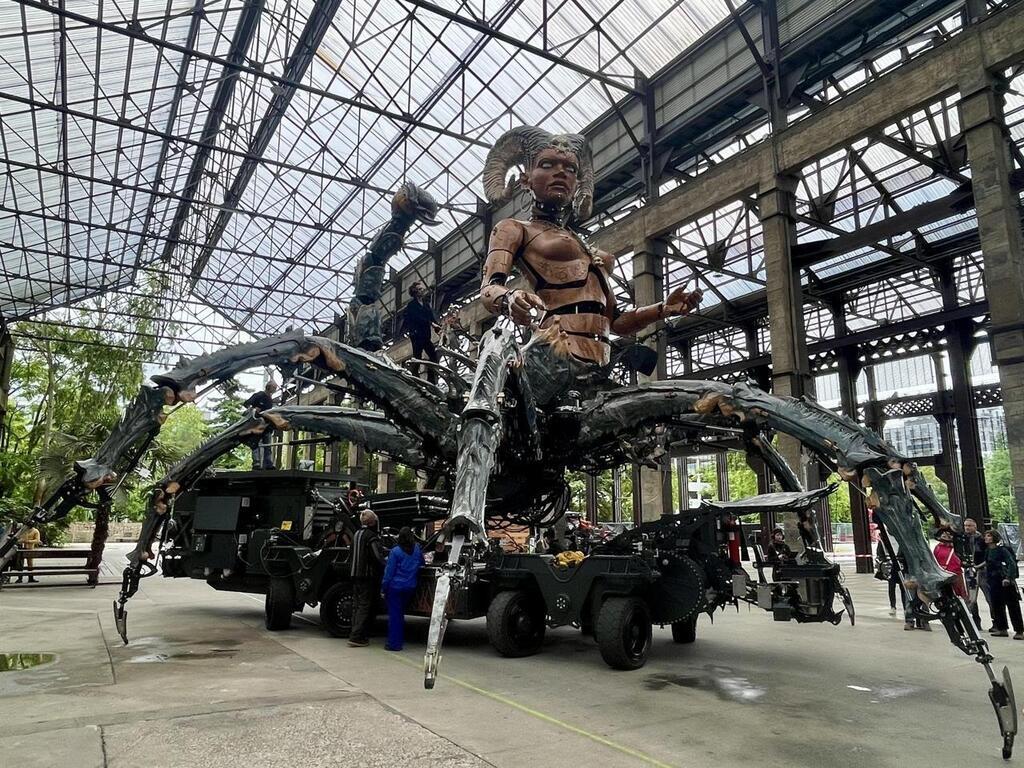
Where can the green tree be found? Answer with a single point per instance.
(999, 485)
(228, 409)
(70, 382)
(742, 479)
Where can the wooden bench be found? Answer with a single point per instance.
(56, 569)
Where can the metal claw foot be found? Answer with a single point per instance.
(1005, 705)
(451, 571)
(129, 586)
(121, 620)
(848, 603)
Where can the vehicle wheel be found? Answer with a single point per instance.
(336, 610)
(685, 631)
(515, 624)
(279, 604)
(624, 632)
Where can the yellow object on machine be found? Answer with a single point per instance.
(569, 559)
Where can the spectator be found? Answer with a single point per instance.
(946, 556)
(1001, 573)
(970, 548)
(552, 545)
(262, 458)
(892, 578)
(29, 539)
(399, 583)
(418, 322)
(367, 562)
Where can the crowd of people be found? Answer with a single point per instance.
(981, 564)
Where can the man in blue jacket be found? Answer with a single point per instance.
(399, 584)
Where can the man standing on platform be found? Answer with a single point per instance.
(418, 322)
(262, 458)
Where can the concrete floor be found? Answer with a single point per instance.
(203, 684)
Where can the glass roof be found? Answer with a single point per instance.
(147, 153)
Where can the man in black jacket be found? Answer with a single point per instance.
(418, 321)
(969, 546)
(367, 566)
(262, 458)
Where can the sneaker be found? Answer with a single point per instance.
(909, 626)
(1018, 636)
(399, 650)
(358, 643)
(999, 633)
(892, 611)
(925, 627)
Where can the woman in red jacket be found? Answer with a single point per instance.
(949, 561)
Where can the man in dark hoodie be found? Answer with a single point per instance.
(367, 566)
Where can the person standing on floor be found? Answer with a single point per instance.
(400, 576)
(970, 548)
(367, 563)
(29, 539)
(262, 457)
(1001, 573)
(948, 560)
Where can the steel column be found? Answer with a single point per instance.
(591, 497)
(947, 467)
(849, 369)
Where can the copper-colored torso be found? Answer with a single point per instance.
(562, 273)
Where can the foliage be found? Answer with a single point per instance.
(999, 485)
(70, 381)
(228, 409)
(605, 493)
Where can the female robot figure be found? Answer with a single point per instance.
(569, 279)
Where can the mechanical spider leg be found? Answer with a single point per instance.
(130, 439)
(479, 436)
(181, 476)
(409, 401)
(856, 452)
(369, 428)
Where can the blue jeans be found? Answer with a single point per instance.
(398, 601)
(262, 458)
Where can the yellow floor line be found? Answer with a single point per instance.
(526, 710)
(541, 716)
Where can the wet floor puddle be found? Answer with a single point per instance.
(150, 658)
(722, 681)
(16, 662)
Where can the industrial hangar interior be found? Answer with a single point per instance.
(577, 322)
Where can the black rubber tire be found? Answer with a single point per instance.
(685, 631)
(336, 610)
(279, 604)
(515, 624)
(623, 632)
